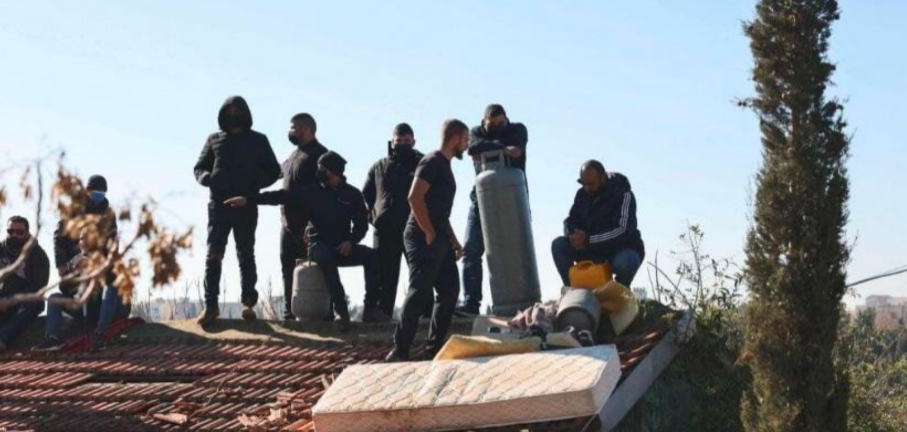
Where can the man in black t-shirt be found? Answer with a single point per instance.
(432, 248)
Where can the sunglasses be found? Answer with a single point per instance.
(16, 232)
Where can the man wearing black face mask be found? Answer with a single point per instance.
(27, 278)
(298, 171)
(338, 222)
(386, 190)
(496, 133)
(234, 161)
(601, 226)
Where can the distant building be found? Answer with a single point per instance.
(890, 312)
(160, 310)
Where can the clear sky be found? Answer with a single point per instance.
(131, 90)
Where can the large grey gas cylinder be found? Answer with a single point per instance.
(503, 201)
(311, 301)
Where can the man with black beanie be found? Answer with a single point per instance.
(338, 222)
(297, 171)
(234, 161)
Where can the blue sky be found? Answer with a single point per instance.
(131, 90)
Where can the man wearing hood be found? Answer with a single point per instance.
(29, 277)
(235, 161)
(298, 171)
(386, 190)
(601, 226)
(338, 221)
(496, 133)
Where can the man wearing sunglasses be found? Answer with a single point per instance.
(28, 277)
(601, 226)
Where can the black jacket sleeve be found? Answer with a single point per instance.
(205, 164)
(360, 219)
(369, 190)
(37, 271)
(573, 219)
(273, 198)
(269, 168)
(61, 245)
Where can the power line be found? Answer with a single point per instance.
(889, 273)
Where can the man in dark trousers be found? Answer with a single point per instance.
(235, 161)
(27, 278)
(496, 133)
(601, 226)
(432, 248)
(298, 171)
(338, 222)
(386, 190)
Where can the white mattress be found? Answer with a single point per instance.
(474, 393)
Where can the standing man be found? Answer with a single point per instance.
(338, 223)
(496, 133)
(601, 226)
(386, 190)
(235, 161)
(432, 248)
(29, 277)
(298, 171)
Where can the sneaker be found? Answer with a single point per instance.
(208, 316)
(50, 344)
(288, 316)
(375, 315)
(248, 314)
(396, 356)
(467, 311)
(430, 353)
(98, 342)
(342, 323)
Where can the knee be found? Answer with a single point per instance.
(625, 262)
(214, 258)
(560, 246)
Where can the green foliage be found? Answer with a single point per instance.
(796, 251)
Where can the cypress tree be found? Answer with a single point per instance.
(796, 251)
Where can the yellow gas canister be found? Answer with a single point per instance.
(590, 275)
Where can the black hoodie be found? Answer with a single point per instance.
(236, 164)
(387, 187)
(608, 217)
(298, 171)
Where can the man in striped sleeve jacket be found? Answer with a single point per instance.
(601, 226)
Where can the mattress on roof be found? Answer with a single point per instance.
(474, 393)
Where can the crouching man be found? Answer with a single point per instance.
(338, 222)
(601, 226)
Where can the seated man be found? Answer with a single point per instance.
(29, 277)
(338, 222)
(601, 226)
(99, 312)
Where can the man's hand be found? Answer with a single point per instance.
(345, 248)
(430, 238)
(61, 271)
(578, 239)
(458, 249)
(514, 152)
(236, 202)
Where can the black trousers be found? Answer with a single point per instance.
(388, 243)
(431, 268)
(242, 222)
(292, 247)
(329, 260)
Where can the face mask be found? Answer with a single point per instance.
(15, 243)
(233, 121)
(97, 196)
(403, 150)
(322, 175)
(495, 131)
(293, 138)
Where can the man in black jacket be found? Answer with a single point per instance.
(298, 171)
(235, 161)
(386, 190)
(496, 133)
(601, 226)
(338, 222)
(28, 278)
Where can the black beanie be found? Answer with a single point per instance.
(97, 183)
(333, 162)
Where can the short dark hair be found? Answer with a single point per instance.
(403, 129)
(452, 128)
(19, 220)
(593, 165)
(306, 120)
(494, 110)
